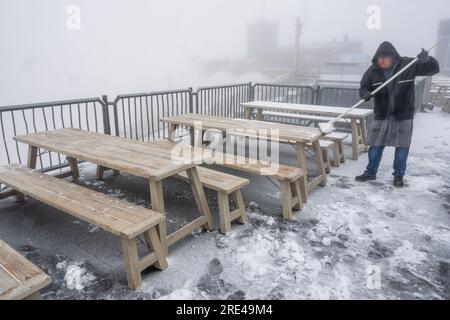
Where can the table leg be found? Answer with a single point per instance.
(192, 135)
(200, 198)
(355, 139)
(157, 198)
(74, 168)
(259, 115)
(172, 130)
(248, 113)
(363, 130)
(32, 157)
(301, 159)
(319, 162)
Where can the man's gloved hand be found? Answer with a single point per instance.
(367, 96)
(423, 56)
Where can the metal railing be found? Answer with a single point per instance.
(87, 114)
(223, 101)
(137, 116)
(339, 97)
(284, 93)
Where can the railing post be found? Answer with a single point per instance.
(317, 95)
(251, 92)
(191, 100)
(105, 109)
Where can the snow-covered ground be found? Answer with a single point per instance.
(352, 240)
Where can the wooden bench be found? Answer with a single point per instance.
(358, 130)
(226, 186)
(19, 278)
(338, 148)
(118, 217)
(292, 180)
(325, 145)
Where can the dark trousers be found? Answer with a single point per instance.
(375, 155)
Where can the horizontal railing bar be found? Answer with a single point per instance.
(49, 104)
(149, 94)
(223, 86)
(283, 86)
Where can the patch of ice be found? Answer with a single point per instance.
(76, 276)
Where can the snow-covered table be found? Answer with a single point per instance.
(283, 133)
(125, 155)
(356, 117)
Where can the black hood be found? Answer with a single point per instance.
(385, 49)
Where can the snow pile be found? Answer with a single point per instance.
(180, 294)
(76, 276)
(407, 255)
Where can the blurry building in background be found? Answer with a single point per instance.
(443, 48)
(339, 60)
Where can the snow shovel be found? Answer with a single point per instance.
(326, 128)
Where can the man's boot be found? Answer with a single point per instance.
(365, 177)
(398, 182)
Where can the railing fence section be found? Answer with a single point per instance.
(86, 114)
(284, 93)
(137, 116)
(223, 101)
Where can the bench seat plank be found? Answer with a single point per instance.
(258, 167)
(116, 216)
(337, 136)
(218, 181)
(19, 278)
(303, 117)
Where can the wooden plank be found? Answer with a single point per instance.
(355, 140)
(224, 210)
(74, 168)
(200, 198)
(19, 278)
(306, 108)
(240, 204)
(157, 198)
(155, 245)
(186, 230)
(303, 117)
(132, 265)
(286, 198)
(113, 215)
(318, 157)
(32, 157)
(237, 126)
(119, 154)
(218, 181)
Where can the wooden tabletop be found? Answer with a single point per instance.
(307, 109)
(19, 278)
(131, 156)
(236, 126)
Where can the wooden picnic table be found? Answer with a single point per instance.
(124, 155)
(284, 133)
(356, 117)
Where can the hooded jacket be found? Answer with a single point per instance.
(403, 87)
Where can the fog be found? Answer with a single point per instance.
(140, 46)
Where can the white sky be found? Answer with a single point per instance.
(138, 45)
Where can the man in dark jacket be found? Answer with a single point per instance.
(394, 107)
